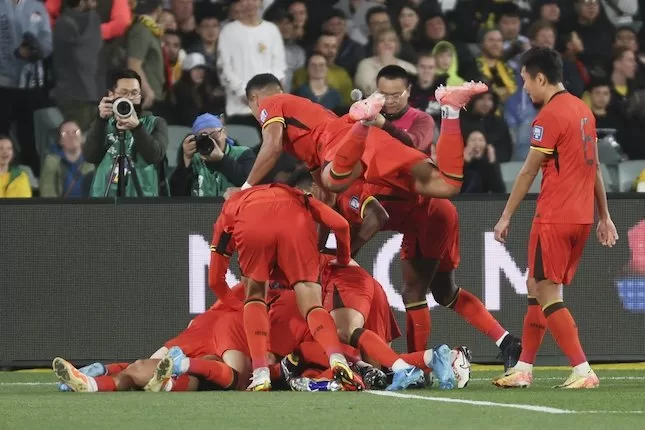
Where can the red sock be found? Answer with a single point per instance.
(351, 354)
(114, 368)
(105, 383)
(417, 326)
(532, 331)
(313, 353)
(416, 359)
(450, 151)
(275, 370)
(256, 327)
(373, 346)
(213, 371)
(180, 383)
(565, 332)
(349, 153)
(475, 313)
(323, 329)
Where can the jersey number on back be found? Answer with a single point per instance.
(588, 144)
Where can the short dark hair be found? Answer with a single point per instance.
(123, 74)
(563, 39)
(277, 14)
(538, 26)
(325, 34)
(393, 72)
(618, 52)
(508, 9)
(301, 178)
(315, 54)
(170, 32)
(208, 14)
(261, 81)
(543, 60)
(599, 82)
(335, 13)
(373, 11)
(72, 3)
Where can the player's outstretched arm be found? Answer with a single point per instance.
(221, 251)
(606, 231)
(374, 219)
(332, 219)
(521, 187)
(269, 154)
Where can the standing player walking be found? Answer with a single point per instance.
(563, 142)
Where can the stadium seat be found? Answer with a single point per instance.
(511, 169)
(608, 179)
(176, 135)
(244, 135)
(628, 171)
(46, 123)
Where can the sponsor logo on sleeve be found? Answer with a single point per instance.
(538, 131)
(354, 203)
(263, 115)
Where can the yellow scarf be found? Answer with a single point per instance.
(151, 25)
(504, 73)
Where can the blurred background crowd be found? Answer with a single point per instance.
(60, 58)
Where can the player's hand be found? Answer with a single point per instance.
(501, 229)
(230, 191)
(606, 232)
(105, 108)
(378, 121)
(216, 155)
(128, 123)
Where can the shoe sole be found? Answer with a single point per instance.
(408, 382)
(64, 374)
(259, 388)
(342, 375)
(163, 372)
(445, 376)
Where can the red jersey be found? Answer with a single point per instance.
(565, 130)
(309, 127)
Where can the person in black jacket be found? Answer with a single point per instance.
(482, 114)
(482, 173)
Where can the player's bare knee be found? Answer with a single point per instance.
(344, 334)
(443, 288)
(547, 292)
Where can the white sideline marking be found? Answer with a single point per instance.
(553, 378)
(28, 383)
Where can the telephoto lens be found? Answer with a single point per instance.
(122, 108)
(204, 143)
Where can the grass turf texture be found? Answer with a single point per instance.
(29, 400)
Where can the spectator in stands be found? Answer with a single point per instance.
(482, 173)
(337, 77)
(14, 182)
(434, 31)
(597, 35)
(298, 9)
(408, 27)
(378, 20)
(445, 56)
(145, 138)
(245, 48)
(570, 46)
(542, 34)
(198, 91)
(295, 56)
(424, 86)
(492, 67)
(235, 11)
(599, 100)
(547, 10)
(64, 169)
(208, 30)
(316, 89)
(410, 126)
(386, 49)
(350, 52)
(26, 40)
(168, 21)
(145, 55)
(184, 14)
(174, 54)
(483, 114)
(77, 44)
(201, 175)
(622, 78)
(626, 37)
(509, 23)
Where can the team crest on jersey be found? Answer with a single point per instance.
(263, 115)
(354, 203)
(538, 131)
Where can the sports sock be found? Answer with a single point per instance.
(532, 331)
(275, 370)
(376, 348)
(256, 327)
(323, 329)
(349, 153)
(105, 383)
(313, 353)
(114, 368)
(450, 147)
(213, 371)
(417, 325)
(475, 313)
(565, 332)
(180, 383)
(420, 359)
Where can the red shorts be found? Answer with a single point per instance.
(288, 327)
(555, 251)
(347, 287)
(281, 235)
(381, 319)
(434, 235)
(212, 333)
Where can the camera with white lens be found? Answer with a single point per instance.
(122, 108)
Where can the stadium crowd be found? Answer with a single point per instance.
(184, 66)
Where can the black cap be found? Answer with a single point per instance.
(335, 13)
(147, 6)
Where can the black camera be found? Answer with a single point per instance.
(204, 143)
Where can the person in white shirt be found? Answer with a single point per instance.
(246, 48)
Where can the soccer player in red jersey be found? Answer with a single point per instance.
(343, 149)
(563, 144)
(275, 226)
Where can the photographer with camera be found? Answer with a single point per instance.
(124, 129)
(209, 162)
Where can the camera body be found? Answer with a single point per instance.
(122, 108)
(204, 143)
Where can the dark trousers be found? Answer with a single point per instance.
(18, 106)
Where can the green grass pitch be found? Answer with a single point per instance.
(29, 400)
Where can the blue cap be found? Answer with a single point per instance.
(208, 120)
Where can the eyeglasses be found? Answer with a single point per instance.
(76, 132)
(130, 94)
(393, 97)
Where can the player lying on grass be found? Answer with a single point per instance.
(563, 144)
(274, 226)
(341, 149)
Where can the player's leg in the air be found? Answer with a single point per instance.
(553, 261)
